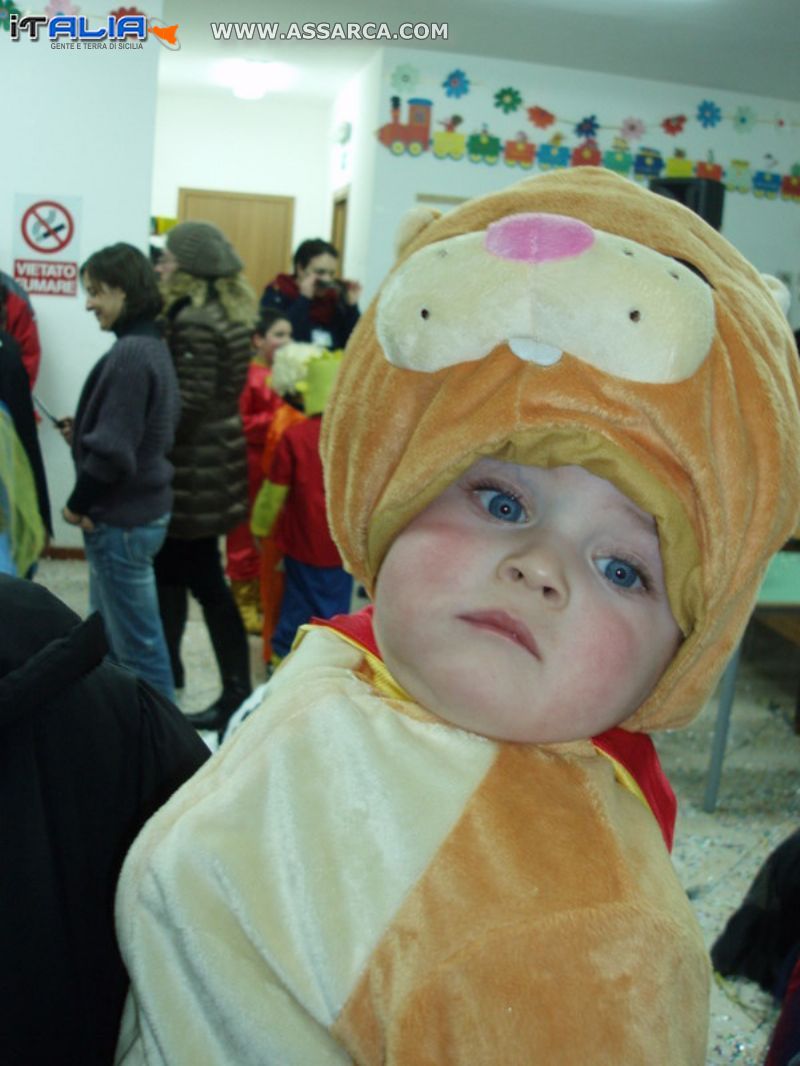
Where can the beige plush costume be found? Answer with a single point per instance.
(352, 879)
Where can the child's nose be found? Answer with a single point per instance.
(537, 238)
(540, 568)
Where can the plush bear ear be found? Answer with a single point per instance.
(411, 225)
(783, 297)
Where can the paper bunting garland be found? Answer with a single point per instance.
(7, 9)
(415, 133)
(744, 119)
(541, 118)
(448, 138)
(708, 114)
(632, 129)
(60, 7)
(405, 78)
(587, 127)
(507, 100)
(673, 125)
(456, 84)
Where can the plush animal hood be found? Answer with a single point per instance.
(576, 318)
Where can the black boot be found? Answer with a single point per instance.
(173, 605)
(229, 641)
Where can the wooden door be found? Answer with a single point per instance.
(339, 223)
(259, 227)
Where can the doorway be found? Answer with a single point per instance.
(339, 223)
(259, 227)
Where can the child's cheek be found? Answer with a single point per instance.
(445, 553)
(611, 651)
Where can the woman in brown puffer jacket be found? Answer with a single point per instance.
(209, 315)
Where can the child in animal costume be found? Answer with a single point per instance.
(563, 445)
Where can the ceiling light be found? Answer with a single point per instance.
(251, 80)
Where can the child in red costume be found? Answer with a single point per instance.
(288, 379)
(258, 404)
(293, 504)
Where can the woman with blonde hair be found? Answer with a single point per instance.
(210, 311)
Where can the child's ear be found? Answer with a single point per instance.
(411, 225)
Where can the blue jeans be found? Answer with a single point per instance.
(122, 587)
(309, 592)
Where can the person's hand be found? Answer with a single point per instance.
(352, 291)
(74, 519)
(308, 286)
(65, 427)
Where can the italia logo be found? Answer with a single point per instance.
(125, 25)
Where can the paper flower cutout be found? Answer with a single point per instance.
(708, 114)
(587, 127)
(632, 129)
(405, 78)
(456, 84)
(541, 118)
(744, 119)
(60, 7)
(7, 9)
(507, 100)
(673, 125)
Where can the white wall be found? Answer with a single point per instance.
(277, 146)
(82, 126)
(353, 165)
(767, 232)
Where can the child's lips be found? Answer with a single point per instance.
(506, 625)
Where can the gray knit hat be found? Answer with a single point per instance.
(203, 250)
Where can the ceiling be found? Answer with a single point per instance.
(747, 46)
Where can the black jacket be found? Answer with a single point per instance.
(211, 356)
(87, 754)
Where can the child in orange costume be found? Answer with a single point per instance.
(561, 460)
(257, 404)
(288, 379)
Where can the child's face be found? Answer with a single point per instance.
(527, 604)
(278, 334)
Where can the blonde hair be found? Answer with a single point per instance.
(234, 294)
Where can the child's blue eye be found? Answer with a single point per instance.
(502, 505)
(620, 573)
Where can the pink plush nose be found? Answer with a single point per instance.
(538, 238)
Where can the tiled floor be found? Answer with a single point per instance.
(716, 855)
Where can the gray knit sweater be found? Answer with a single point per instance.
(124, 427)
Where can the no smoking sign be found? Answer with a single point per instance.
(47, 227)
(45, 245)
